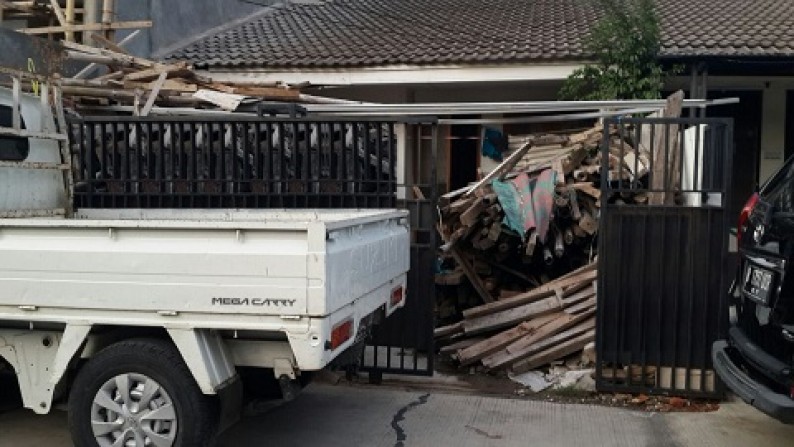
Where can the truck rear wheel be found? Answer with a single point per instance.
(140, 393)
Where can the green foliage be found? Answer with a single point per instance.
(625, 44)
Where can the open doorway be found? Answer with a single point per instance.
(463, 155)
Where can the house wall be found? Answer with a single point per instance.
(773, 128)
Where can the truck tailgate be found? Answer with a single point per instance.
(255, 262)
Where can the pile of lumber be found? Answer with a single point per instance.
(500, 262)
(525, 294)
(528, 330)
(121, 78)
(114, 77)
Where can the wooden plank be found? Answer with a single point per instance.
(588, 188)
(461, 205)
(170, 85)
(56, 8)
(107, 43)
(531, 296)
(451, 329)
(87, 27)
(556, 331)
(458, 345)
(503, 167)
(662, 163)
(474, 279)
(90, 67)
(155, 72)
(113, 56)
(584, 306)
(418, 194)
(153, 94)
(510, 317)
(447, 198)
(268, 92)
(490, 345)
(588, 223)
(472, 214)
(553, 353)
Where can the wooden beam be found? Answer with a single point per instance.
(535, 341)
(153, 94)
(531, 296)
(553, 353)
(56, 8)
(109, 44)
(503, 167)
(88, 27)
(510, 317)
(107, 17)
(111, 56)
(477, 351)
(69, 25)
(85, 71)
(474, 279)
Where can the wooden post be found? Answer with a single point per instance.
(89, 18)
(107, 18)
(69, 34)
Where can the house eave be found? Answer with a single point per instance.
(399, 74)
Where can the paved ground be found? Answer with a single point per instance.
(338, 415)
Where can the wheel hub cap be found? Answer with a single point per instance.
(132, 410)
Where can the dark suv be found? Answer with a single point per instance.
(757, 359)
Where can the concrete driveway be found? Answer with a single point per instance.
(341, 415)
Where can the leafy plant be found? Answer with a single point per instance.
(625, 44)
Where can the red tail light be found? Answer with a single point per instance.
(341, 333)
(396, 296)
(745, 215)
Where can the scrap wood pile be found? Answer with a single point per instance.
(524, 240)
(143, 83)
(530, 329)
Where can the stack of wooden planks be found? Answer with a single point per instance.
(114, 77)
(528, 330)
(144, 83)
(526, 298)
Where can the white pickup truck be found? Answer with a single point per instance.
(139, 319)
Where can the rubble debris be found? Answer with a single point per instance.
(525, 239)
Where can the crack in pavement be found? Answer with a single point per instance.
(483, 433)
(400, 416)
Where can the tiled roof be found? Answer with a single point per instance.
(358, 33)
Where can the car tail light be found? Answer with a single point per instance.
(744, 216)
(396, 296)
(341, 333)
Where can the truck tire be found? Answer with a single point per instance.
(142, 391)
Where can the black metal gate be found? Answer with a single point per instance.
(403, 344)
(662, 279)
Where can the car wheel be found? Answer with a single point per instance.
(140, 393)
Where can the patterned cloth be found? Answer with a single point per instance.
(528, 202)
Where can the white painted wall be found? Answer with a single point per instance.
(773, 130)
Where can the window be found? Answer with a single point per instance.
(12, 148)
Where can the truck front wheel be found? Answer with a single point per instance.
(140, 393)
